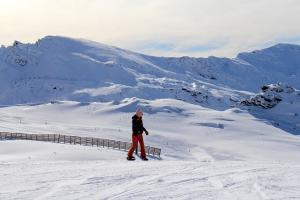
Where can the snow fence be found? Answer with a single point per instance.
(86, 141)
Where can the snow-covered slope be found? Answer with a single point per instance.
(59, 68)
(184, 131)
(221, 137)
(207, 154)
(284, 102)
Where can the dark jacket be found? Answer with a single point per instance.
(137, 125)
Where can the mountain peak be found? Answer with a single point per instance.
(72, 42)
(277, 48)
(284, 45)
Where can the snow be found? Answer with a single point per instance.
(213, 147)
(74, 65)
(30, 151)
(207, 154)
(140, 180)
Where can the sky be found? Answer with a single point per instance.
(198, 28)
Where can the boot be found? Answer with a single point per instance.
(131, 158)
(144, 158)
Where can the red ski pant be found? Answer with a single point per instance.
(135, 140)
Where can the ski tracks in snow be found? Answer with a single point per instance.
(150, 180)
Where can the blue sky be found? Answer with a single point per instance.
(157, 27)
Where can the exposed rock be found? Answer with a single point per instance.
(16, 43)
(21, 61)
(269, 96)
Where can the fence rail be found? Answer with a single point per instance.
(69, 139)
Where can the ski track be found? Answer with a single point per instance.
(151, 180)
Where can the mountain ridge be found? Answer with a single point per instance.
(53, 60)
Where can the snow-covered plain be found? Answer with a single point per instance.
(213, 147)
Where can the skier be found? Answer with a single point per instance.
(137, 136)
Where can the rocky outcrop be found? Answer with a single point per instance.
(269, 96)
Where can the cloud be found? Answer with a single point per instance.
(157, 27)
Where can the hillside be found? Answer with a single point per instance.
(58, 68)
(228, 128)
(206, 154)
(65, 69)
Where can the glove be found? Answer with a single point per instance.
(147, 133)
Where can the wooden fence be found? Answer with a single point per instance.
(86, 141)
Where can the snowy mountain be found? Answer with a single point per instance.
(228, 128)
(59, 68)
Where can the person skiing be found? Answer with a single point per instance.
(137, 136)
